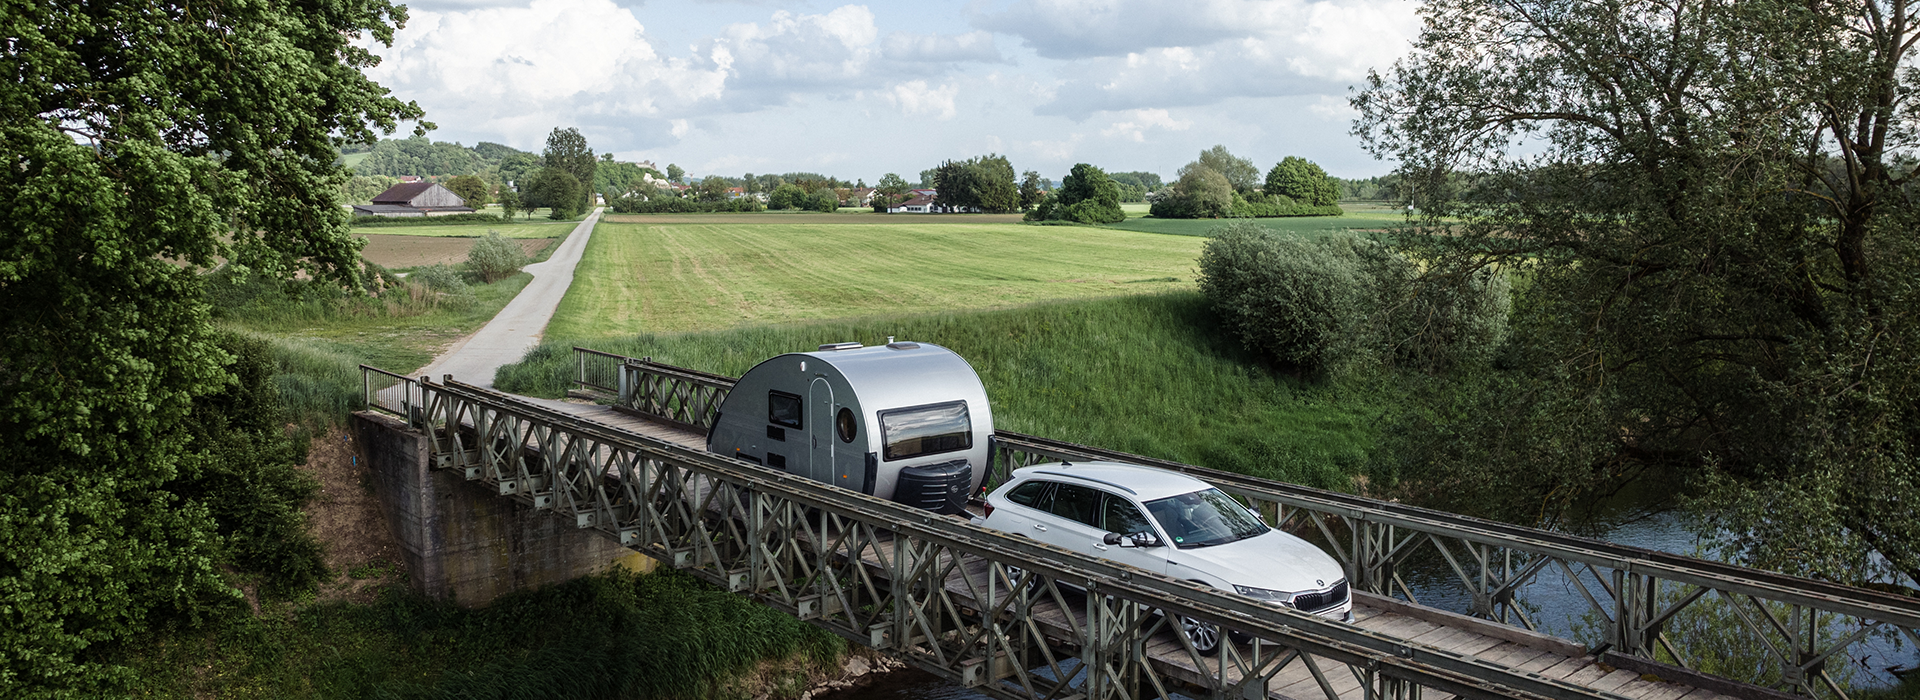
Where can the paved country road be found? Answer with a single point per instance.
(519, 326)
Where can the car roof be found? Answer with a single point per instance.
(1144, 483)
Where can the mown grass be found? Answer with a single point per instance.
(688, 276)
(1149, 374)
(614, 635)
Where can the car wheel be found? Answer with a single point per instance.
(1204, 636)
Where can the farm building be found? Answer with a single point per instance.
(920, 204)
(414, 199)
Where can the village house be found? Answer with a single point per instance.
(414, 199)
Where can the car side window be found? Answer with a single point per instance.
(1119, 515)
(1029, 494)
(1077, 503)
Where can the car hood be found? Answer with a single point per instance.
(1274, 561)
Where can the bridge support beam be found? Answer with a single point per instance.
(460, 539)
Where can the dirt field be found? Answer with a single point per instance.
(398, 252)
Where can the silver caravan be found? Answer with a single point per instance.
(904, 421)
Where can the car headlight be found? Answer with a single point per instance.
(1281, 597)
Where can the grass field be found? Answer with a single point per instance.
(353, 159)
(705, 272)
(1359, 218)
(1149, 374)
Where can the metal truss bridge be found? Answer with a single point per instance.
(988, 610)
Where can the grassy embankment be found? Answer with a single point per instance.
(1085, 334)
(608, 636)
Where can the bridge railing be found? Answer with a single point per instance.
(973, 605)
(1638, 599)
(684, 397)
(390, 393)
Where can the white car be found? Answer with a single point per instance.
(1173, 524)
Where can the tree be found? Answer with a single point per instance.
(567, 150)
(134, 165)
(518, 169)
(1086, 195)
(1240, 173)
(711, 189)
(557, 190)
(787, 196)
(470, 188)
(984, 183)
(674, 173)
(749, 185)
(824, 200)
(926, 179)
(1713, 214)
(1032, 189)
(509, 203)
(1303, 181)
(1200, 193)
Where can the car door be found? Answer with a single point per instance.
(1075, 509)
(1118, 514)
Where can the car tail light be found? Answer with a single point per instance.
(989, 508)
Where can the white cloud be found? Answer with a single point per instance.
(942, 48)
(510, 70)
(1140, 120)
(792, 51)
(1132, 54)
(1330, 107)
(917, 97)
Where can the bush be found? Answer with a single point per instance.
(383, 221)
(493, 258)
(1302, 303)
(1341, 302)
(1201, 193)
(676, 205)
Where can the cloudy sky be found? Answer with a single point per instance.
(859, 90)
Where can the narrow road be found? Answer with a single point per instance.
(519, 326)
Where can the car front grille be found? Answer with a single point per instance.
(1320, 600)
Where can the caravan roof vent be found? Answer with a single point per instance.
(904, 345)
(840, 346)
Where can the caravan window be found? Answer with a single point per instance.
(783, 409)
(926, 430)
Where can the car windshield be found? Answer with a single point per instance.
(1204, 518)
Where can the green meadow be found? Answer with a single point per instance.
(1360, 218)
(683, 275)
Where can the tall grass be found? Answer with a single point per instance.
(318, 385)
(1146, 374)
(613, 635)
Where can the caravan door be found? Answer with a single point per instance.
(820, 433)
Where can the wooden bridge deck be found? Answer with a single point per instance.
(1490, 642)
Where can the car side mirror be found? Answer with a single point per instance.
(1138, 539)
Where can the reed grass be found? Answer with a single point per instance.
(613, 635)
(1147, 374)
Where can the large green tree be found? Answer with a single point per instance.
(984, 183)
(1086, 195)
(567, 150)
(1241, 173)
(144, 143)
(1303, 181)
(1713, 212)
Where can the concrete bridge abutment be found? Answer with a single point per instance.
(459, 539)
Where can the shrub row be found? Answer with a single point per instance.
(1341, 303)
(676, 205)
(1260, 210)
(385, 221)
